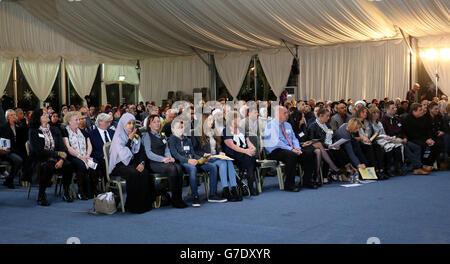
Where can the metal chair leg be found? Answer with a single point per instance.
(29, 191)
(258, 180)
(206, 183)
(157, 202)
(56, 186)
(280, 177)
(121, 197)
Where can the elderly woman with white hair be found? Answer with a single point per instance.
(99, 136)
(10, 152)
(79, 147)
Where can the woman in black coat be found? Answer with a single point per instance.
(48, 154)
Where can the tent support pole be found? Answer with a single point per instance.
(15, 82)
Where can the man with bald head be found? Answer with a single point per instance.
(282, 145)
(412, 95)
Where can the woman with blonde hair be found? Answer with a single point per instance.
(389, 151)
(208, 144)
(352, 147)
(79, 147)
(373, 153)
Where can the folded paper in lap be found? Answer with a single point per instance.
(221, 157)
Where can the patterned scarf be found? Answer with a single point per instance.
(77, 141)
(49, 142)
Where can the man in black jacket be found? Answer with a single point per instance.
(9, 153)
(418, 129)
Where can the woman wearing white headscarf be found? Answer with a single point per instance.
(127, 160)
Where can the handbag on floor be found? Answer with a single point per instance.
(105, 203)
(242, 188)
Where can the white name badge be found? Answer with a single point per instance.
(135, 141)
(288, 131)
(41, 135)
(187, 148)
(301, 134)
(399, 125)
(330, 131)
(164, 141)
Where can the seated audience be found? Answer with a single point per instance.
(182, 150)
(98, 137)
(160, 160)
(418, 129)
(9, 132)
(340, 117)
(251, 125)
(210, 144)
(324, 134)
(392, 149)
(438, 128)
(127, 160)
(237, 145)
(49, 156)
(79, 147)
(373, 152)
(350, 131)
(282, 145)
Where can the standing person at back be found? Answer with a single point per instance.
(413, 95)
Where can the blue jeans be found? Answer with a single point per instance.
(192, 171)
(413, 153)
(226, 170)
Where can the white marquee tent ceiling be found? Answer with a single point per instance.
(138, 29)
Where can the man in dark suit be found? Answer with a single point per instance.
(9, 153)
(99, 136)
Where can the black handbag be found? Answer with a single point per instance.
(242, 188)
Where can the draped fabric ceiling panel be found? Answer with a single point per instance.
(5, 71)
(137, 29)
(102, 31)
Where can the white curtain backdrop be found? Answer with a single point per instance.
(40, 74)
(112, 71)
(437, 42)
(277, 67)
(82, 76)
(232, 69)
(22, 34)
(356, 70)
(160, 75)
(5, 71)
